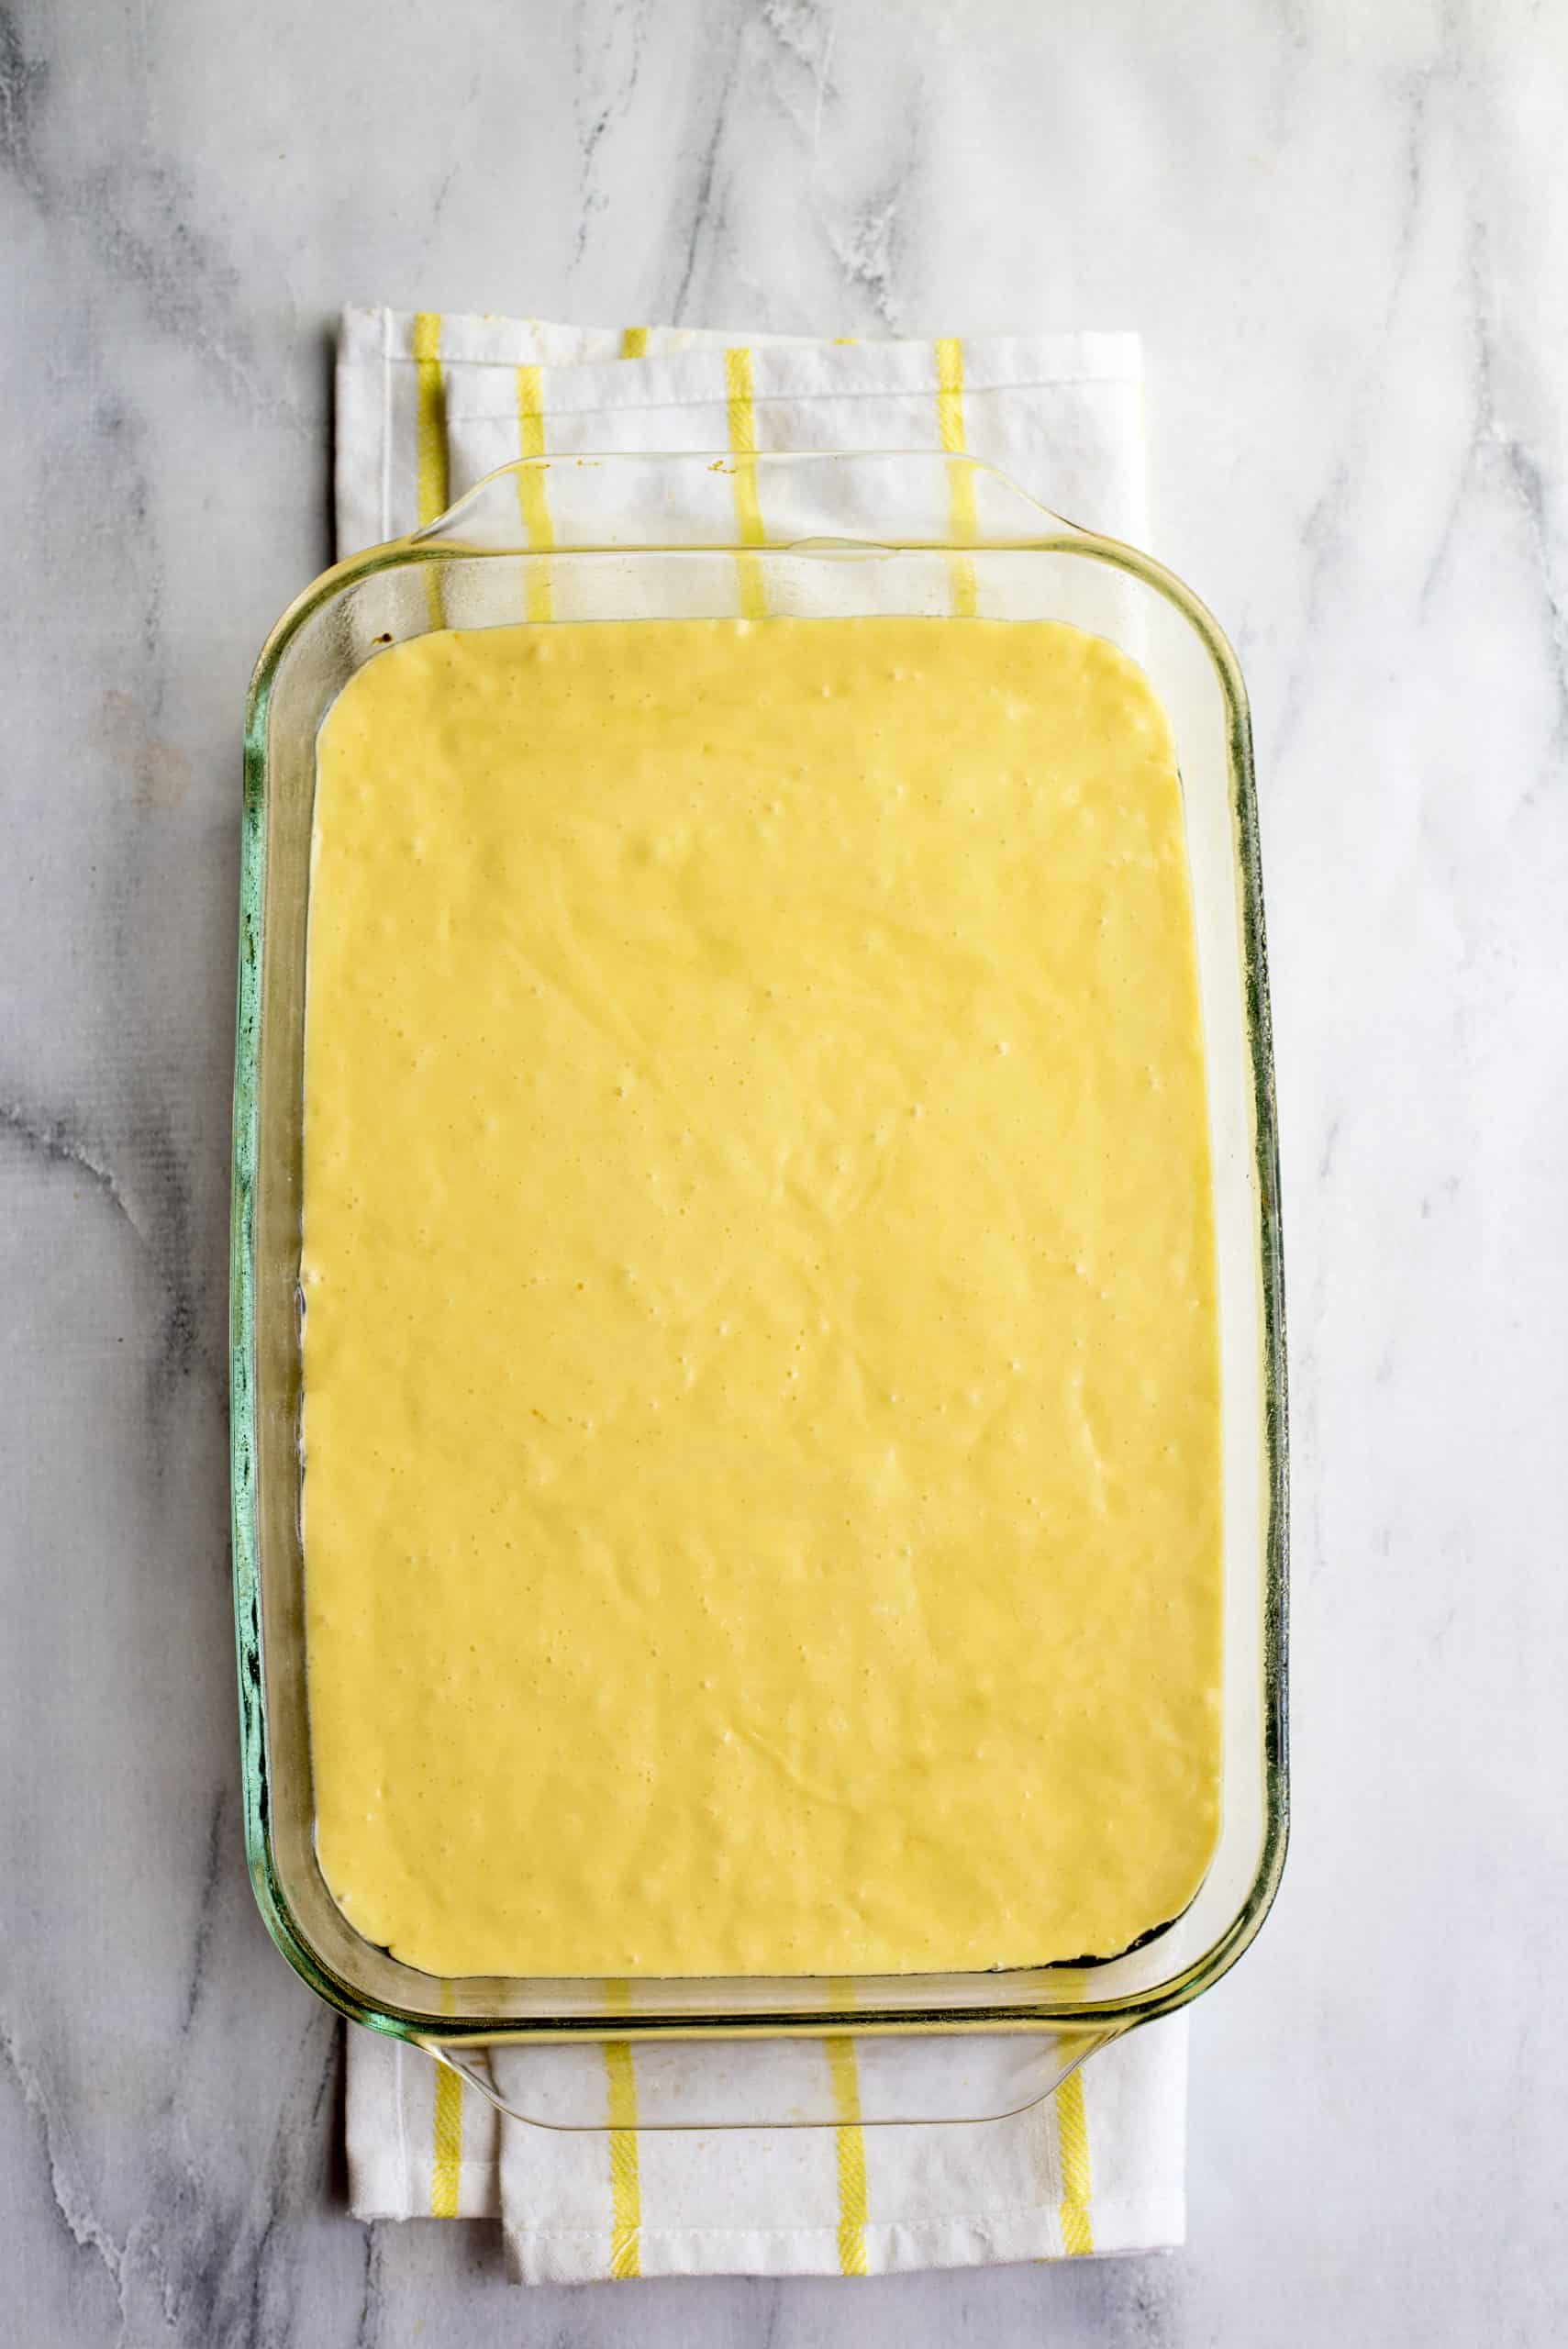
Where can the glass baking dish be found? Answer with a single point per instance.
(624, 537)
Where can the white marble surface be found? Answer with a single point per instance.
(1343, 230)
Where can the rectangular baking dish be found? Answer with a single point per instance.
(625, 537)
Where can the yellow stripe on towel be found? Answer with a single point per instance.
(960, 480)
(747, 507)
(843, 2067)
(430, 438)
(431, 432)
(626, 2185)
(533, 491)
(446, 2170)
(1073, 2137)
(634, 343)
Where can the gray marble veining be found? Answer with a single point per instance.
(1344, 234)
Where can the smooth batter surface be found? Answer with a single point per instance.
(761, 1395)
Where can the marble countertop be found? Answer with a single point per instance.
(1344, 234)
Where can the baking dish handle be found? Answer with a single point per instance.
(638, 500)
(873, 2080)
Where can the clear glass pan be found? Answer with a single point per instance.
(634, 536)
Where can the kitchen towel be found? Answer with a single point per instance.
(427, 404)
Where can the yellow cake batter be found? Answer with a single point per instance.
(762, 1498)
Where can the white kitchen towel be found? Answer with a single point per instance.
(1098, 2166)
(427, 404)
